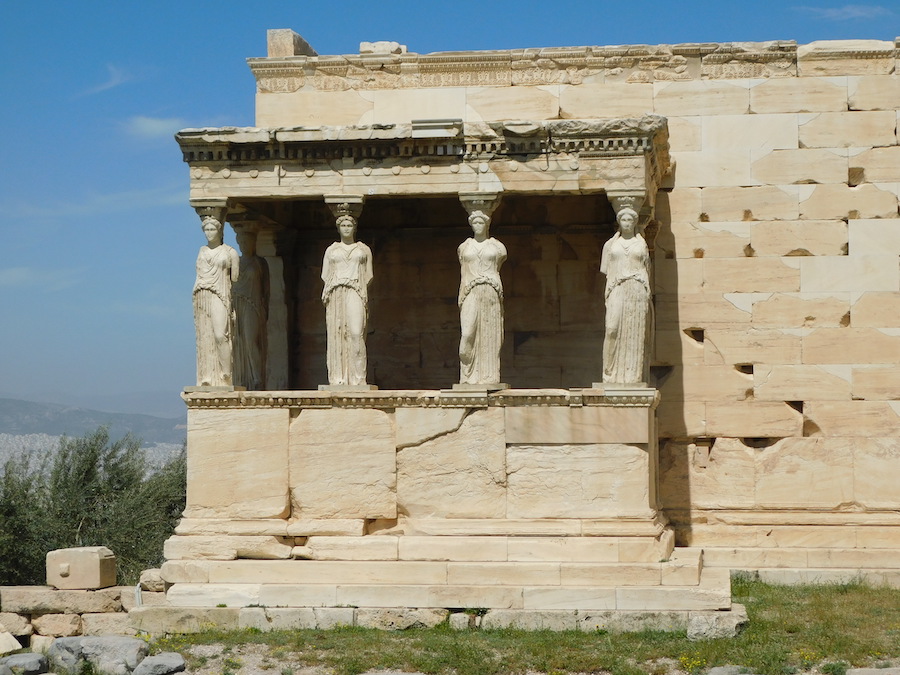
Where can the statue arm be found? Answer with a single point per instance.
(235, 264)
(604, 256)
(367, 271)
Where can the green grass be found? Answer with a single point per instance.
(831, 627)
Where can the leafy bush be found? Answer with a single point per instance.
(90, 492)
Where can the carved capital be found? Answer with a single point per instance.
(345, 205)
(215, 208)
(485, 202)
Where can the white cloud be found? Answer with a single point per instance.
(45, 280)
(154, 127)
(847, 12)
(116, 77)
(101, 204)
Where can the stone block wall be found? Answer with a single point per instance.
(777, 263)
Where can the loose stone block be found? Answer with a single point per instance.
(804, 473)
(87, 568)
(8, 643)
(343, 464)
(117, 623)
(800, 238)
(714, 625)
(57, 625)
(793, 95)
(250, 463)
(461, 475)
(44, 600)
(16, 624)
(578, 481)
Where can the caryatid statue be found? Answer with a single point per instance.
(347, 273)
(217, 269)
(480, 297)
(626, 263)
(251, 310)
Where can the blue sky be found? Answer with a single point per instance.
(98, 239)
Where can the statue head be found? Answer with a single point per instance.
(346, 226)
(628, 221)
(213, 229)
(480, 222)
(246, 240)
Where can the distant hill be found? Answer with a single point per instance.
(19, 418)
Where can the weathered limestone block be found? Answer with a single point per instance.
(588, 424)
(151, 580)
(822, 202)
(214, 595)
(681, 205)
(848, 129)
(750, 275)
(459, 475)
(784, 167)
(255, 572)
(878, 164)
(722, 347)
(563, 549)
(879, 383)
(752, 418)
(631, 622)
(297, 595)
(677, 347)
(874, 472)
(312, 108)
(511, 103)
(348, 548)
(685, 133)
(87, 568)
(710, 240)
(266, 619)
(693, 310)
(578, 481)
(714, 592)
(766, 202)
(551, 619)
(801, 383)
(403, 105)
(226, 548)
(17, 624)
(803, 310)
(876, 310)
(184, 571)
(720, 166)
(873, 92)
(250, 463)
(713, 625)
(605, 100)
(795, 95)
(116, 623)
(57, 625)
(720, 476)
(850, 345)
(680, 274)
(327, 527)
(160, 620)
(220, 526)
(800, 237)
(853, 418)
(681, 419)
(44, 600)
(759, 132)
(714, 97)
(343, 464)
(845, 57)
(879, 237)
(400, 619)
(149, 598)
(8, 643)
(705, 383)
(804, 473)
(417, 425)
(40, 644)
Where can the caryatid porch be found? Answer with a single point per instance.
(539, 497)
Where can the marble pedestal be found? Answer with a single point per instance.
(515, 500)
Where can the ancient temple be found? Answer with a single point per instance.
(763, 181)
